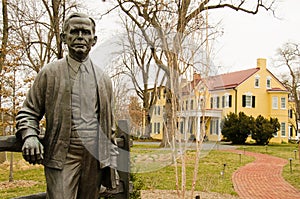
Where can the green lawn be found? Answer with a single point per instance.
(209, 177)
(22, 171)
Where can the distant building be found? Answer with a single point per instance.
(254, 91)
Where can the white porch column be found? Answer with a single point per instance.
(219, 129)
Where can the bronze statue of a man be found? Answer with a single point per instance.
(76, 98)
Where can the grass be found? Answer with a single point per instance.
(22, 171)
(285, 151)
(209, 176)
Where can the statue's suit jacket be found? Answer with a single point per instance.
(50, 95)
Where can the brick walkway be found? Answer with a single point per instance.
(262, 179)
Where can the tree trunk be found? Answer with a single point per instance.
(3, 52)
(170, 117)
(55, 24)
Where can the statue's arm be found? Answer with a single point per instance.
(28, 119)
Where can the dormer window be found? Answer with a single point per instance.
(256, 81)
(268, 82)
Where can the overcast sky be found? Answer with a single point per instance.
(246, 37)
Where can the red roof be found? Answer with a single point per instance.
(277, 89)
(229, 80)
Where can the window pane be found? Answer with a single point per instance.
(283, 103)
(283, 129)
(275, 102)
(248, 101)
(256, 82)
(268, 83)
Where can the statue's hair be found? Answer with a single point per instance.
(80, 15)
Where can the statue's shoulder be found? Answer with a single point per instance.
(55, 66)
(100, 72)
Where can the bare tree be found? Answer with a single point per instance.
(37, 26)
(3, 52)
(289, 57)
(173, 22)
(138, 65)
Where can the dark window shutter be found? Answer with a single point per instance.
(218, 101)
(211, 102)
(230, 100)
(253, 101)
(223, 101)
(243, 100)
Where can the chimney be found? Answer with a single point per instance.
(262, 63)
(196, 77)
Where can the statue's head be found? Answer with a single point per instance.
(79, 35)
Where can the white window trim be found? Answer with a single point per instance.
(249, 94)
(257, 77)
(214, 102)
(226, 102)
(281, 103)
(273, 107)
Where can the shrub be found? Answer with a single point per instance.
(236, 128)
(264, 129)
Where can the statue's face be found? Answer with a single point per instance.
(79, 37)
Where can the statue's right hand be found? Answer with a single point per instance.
(33, 150)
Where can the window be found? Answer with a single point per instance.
(200, 102)
(192, 104)
(256, 81)
(181, 127)
(290, 113)
(223, 101)
(282, 129)
(274, 102)
(157, 128)
(215, 102)
(214, 127)
(290, 131)
(157, 110)
(283, 103)
(248, 101)
(228, 100)
(268, 82)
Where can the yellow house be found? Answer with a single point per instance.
(157, 112)
(254, 91)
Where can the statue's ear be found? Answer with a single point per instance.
(95, 40)
(63, 37)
